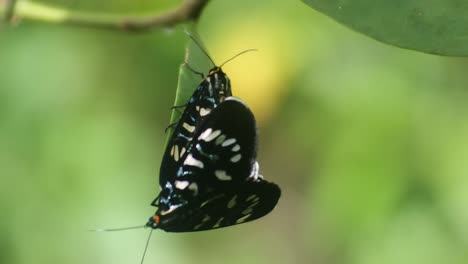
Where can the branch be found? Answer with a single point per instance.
(188, 10)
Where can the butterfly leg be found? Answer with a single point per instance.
(171, 126)
(178, 107)
(155, 202)
(194, 71)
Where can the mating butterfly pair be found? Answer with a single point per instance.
(209, 174)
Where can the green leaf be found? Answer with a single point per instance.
(432, 26)
(188, 79)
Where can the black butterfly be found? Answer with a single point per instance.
(208, 95)
(209, 174)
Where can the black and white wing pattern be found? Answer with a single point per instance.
(216, 183)
(224, 207)
(209, 94)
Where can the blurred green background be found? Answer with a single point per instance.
(368, 142)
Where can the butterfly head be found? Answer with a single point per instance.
(219, 82)
(215, 69)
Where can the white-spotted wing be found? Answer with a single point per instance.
(241, 203)
(217, 183)
(208, 95)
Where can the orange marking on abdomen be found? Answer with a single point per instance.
(156, 219)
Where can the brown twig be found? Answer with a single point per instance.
(188, 10)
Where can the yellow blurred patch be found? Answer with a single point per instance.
(260, 78)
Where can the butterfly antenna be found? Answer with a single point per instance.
(146, 247)
(237, 55)
(200, 47)
(117, 229)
